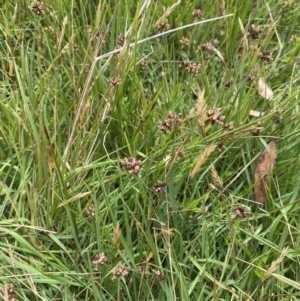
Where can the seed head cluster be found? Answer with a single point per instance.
(214, 117)
(101, 38)
(159, 187)
(167, 125)
(197, 13)
(133, 166)
(185, 41)
(240, 211)
(99, 260)
(184, 63)
(75, 47)
(114, 81)
(266, 56)
(277, 118)
(228, 83)
(294, 38)
(193, 68)
(160, 275)
(251, 79)
(258, 130)
(38, 8)
(121, 270)
(206, 47)
(49, 28)
(228, 126)
(144, 64)
(143, 270)
(121, 39)
(8, 293)
(254, 47)
(163, 25)
(254, 33)
(91, 210)
(220, 145)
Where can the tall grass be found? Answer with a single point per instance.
(98, 149)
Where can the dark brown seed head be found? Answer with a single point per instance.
(240, 211)
(167, 125)
(163, 25)
(159, 187)
(38, 8)
(254, 33)
(266, 56)
(114, 81)
(197, 13)
(133, 166)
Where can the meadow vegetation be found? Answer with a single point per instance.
(127, 163)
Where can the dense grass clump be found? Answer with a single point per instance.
(130, 135)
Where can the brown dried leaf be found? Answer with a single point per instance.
(263, 173)
(202, 159)
(169, 232)
(256, 113)
(263, 89)
(218, 53)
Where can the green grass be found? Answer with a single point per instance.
(65, 132)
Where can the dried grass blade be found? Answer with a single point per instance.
(274, 265)
(217, 181)
(167, 12)
(201, 111)
(202, 159)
